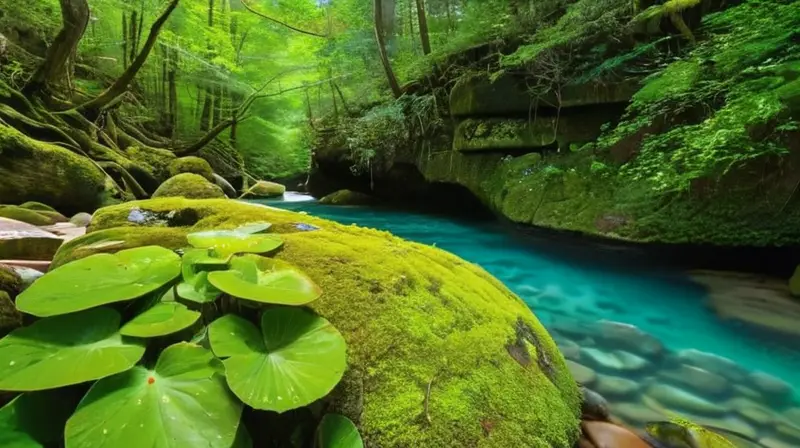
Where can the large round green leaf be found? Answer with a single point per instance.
(227, 242)
(265, 280)
(297, 359)
(34, 419)
(100, 279)
(337, 431)
(162, 319)
(64, 350)
(182, 403)
(253, 227)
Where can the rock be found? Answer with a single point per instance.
(752, 411)
(28, 275)
(713, 363)
(788, 431)
(24, 215)
(34, 171)
(753, 299)
(594, 405)
(81, 219)
(616, 387)
(616, 360)
(744, 391)
(26, 242)
(680, 400)
(401, 332)
(347, 197)
(36, 265)
(10, 281)
(193, 165)
(65, 230)
(772, 387)
(700, 380)
(264, 189)
(475, 135)
(770, 442)
(609, 435)
(794, 282)
(226, 186)
(582, 374)
(631, 338)
(636, 414)
(38, 206)
(10, 318)
(119, 238)
(792, 414)
(568, 348)
(189, 186)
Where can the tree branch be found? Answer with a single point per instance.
(264, 16)
(121, 84)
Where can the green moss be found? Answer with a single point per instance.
(347, 197)
(188, 185)
(415, 318)
(10, 281)
(194, 165)
(677, 79)
(115, 239)
(10, 318)
(25, 215)
(264, 189)
(155, 161)
(37, 206)
(34, 171)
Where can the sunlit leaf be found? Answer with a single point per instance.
(163, 319)
(265, 280)
(337, 431)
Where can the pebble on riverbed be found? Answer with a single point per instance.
(644, 382)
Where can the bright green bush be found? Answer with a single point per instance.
(177, 347)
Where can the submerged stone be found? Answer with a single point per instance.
(700, 380)
(772, 387)
(713, 363)
(680, 400)
(594, 405)
(402, 334)
(582, 374)
(612, 386)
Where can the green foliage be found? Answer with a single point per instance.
(186, 399)
(337, 431)
(375, 136)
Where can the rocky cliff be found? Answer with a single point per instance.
(606, 122)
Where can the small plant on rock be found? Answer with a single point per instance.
(149, 348)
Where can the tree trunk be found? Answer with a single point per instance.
(121, 84)
(134, 35)
(124, 40)
(423, 27)
(75, 15)
(379, 36)
(205, 116)
(173, 94)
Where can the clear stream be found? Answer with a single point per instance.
(589, 283)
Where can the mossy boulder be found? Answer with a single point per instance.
(194, 165)
(190, 186)
(264, 189)
(10, 281)
(31, 170)
(118, 238)
(347, 197)
(25, 215)
(10, 317)
(440, 353)
(37, 206)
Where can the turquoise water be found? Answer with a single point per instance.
(585, 284)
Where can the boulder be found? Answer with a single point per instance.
(483, 353)
(264, 189)
(616, 360)
(36, 218)
(347, 197)
(19, 240)
(771, 387)
(631, 338)
(37, 206)
(616, 387)
(10, 281)
(609, 435)
(700, 380)
(10, 318)
(753, 412)
(593, 405)
(636, 414)
(192, 164)
(190, 186)
(680, 400)
(34, 171)
(81, 219)
(582, 374)
(713, 363)
(226, 186)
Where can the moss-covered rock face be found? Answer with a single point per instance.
(441, 354)
(36, 171)
(38, 206)
(264, 189)
(188, 185)
(194, 165)
(347, 197)
(26, 215)
(10, 281)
